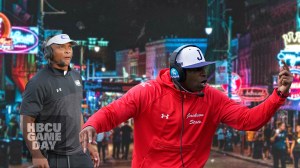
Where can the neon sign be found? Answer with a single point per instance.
(235, 84)
(253, 94)
(25, 40)
(4, 26)
(291, 52)
(291, 55)
(295, 88)
(5, 41)
(17, 39)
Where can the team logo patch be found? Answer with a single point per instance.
(174, 73)
(63, 36)
(77, 83)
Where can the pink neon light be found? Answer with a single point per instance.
(27, 49)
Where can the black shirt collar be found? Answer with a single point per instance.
(59, 72)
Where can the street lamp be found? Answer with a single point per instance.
(97, 48)
(209, 30)
(103, 69)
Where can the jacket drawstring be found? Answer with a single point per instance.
(68, 161)
(56, 160)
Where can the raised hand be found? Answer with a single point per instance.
(285, 78)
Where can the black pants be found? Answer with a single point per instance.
(77, 160)
(296, 155)
(102, 149)
(116, 149)
(221, 144)
(125, 150)
(279, 155)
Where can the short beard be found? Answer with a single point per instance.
(58, 63)
(61, 64)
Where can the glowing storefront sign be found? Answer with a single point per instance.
(25, 40)
(221, 75)
(291, 52)
(253, 94)
(295, 88)
(5, 41)
(17, 39)
(291, 55)
(235, 84)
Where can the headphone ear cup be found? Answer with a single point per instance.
(48, 52)
(177, 73)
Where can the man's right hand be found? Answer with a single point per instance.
(87, 135)
(40, 162)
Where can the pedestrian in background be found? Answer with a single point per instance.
(126, 131)
(258, 146)
(280, 143)
(250, 137)
(267, 142)
(295, 148)
(3, 128)
(228, 139)
(116, 140)
(221, 137)
(290, 136)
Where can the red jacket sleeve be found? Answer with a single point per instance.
(120, 110)
(243, 118)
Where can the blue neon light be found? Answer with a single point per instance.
(292, 58)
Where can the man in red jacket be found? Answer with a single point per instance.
(176, 115)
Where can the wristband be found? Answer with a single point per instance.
(282, 95)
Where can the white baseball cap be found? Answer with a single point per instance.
(191, 57)
(60, 39)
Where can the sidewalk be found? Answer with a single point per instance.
(237, 154)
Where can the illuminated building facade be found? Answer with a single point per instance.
(158, 53)
(267, 22)
(130, 63)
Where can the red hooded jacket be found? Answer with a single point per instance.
(157, 107)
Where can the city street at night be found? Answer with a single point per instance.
(168, 80)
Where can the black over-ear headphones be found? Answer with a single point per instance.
(176, 71)
(48, 52)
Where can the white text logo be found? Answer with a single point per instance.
(77, 83)
(165, 116)
(58, 90)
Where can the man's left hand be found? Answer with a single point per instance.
(92, 147)
(285, 78)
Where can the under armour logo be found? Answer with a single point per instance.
(145, 83)
(165, 116)
(58, 90)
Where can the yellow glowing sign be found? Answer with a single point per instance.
(291, 41)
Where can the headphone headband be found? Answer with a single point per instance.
(176, 71)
